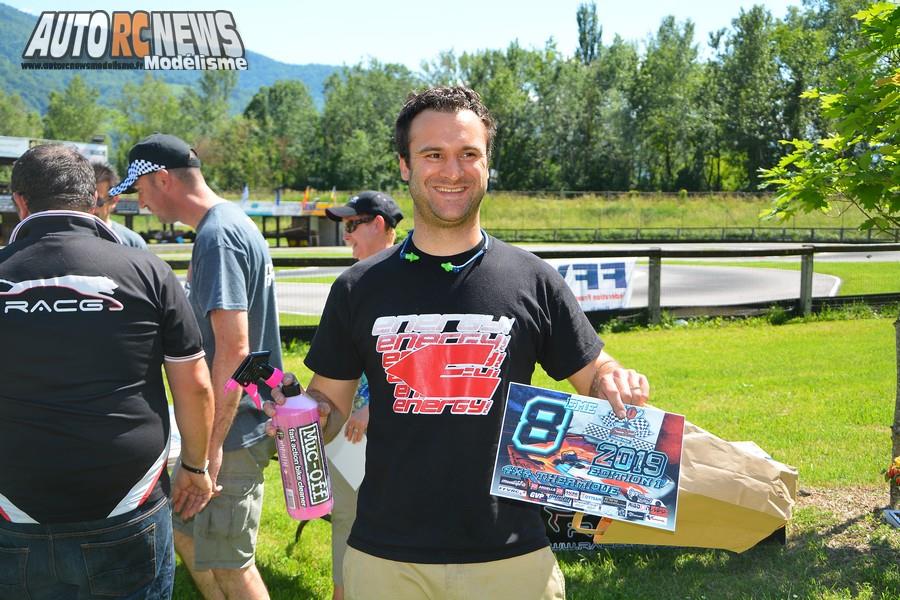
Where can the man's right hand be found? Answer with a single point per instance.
(279, 398)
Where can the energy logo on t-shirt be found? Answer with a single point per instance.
(441, 363)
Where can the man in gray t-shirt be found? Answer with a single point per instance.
(231, 270)
(231, 288)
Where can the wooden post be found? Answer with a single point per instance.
(654, 287)
(806, 278)
(895, 429)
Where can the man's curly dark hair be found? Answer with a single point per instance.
(441, 99)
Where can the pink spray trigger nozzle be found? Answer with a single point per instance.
(253, 392)
(255, 367)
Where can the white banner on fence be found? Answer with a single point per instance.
(598, 283)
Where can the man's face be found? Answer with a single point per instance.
(103, 199)
(368, 237)
(152, 197)
(448, 169)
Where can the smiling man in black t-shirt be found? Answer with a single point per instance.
(440, 326)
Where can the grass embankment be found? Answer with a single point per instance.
(816, 395)
(503, 210)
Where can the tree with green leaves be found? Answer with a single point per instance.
(237, 156)
(590, 33)
(16, 119)
(858, 164)
(586, 121)
(752, 98)
(204, 112)
(367, 100)
(285, 123)
(664, 98)
(801, 55)
(146, 108)
(74, 113)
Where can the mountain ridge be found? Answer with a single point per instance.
(34, 86)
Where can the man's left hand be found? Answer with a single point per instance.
(190, 492)
(620, 386)
(357, 424)
(215, 465)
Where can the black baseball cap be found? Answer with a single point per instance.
(155, 152)
(368, 203)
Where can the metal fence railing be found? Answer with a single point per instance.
(657, 235)
(311, 295)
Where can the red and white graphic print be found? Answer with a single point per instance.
(443, 363)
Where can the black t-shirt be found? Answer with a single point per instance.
(85, 324)
(439, 349)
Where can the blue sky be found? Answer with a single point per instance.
(403, 31)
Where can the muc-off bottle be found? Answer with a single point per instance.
(298, 437)
(301, 455)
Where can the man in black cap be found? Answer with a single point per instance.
(369, 220)
(231, 287)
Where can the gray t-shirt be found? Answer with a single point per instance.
(128, 237)
(231, 269)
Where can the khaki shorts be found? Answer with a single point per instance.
(342, 516)
(532, 576)
(225, 531)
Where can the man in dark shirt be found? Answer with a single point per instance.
(370, 219)
(440, 326)
(86, 324)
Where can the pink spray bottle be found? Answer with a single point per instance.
(298, 438)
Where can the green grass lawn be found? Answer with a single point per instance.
(816, 395)
(285, 319)
(329, 279)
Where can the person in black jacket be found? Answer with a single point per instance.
(86, 325)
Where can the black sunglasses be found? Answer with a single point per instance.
(350, 226)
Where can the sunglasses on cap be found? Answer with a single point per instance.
(350, 226)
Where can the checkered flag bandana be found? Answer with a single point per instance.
(135, 169)
(603, 431)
